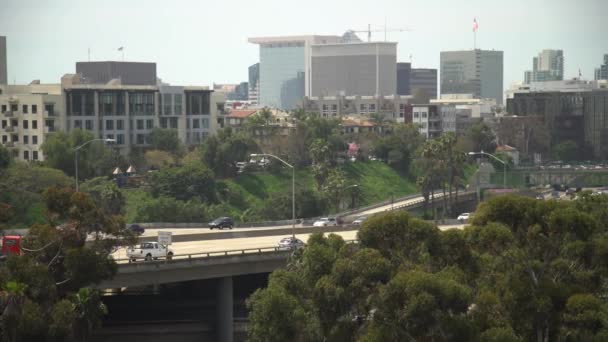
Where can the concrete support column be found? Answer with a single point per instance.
(224, 308)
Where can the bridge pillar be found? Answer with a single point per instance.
(224, 309)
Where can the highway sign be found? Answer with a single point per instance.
(164, 238)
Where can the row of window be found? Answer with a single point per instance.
(15, 138)
(24, 108)
(15, 123)
(197, 123)
(420, 114)
(26, 155)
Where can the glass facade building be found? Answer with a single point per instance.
(282, 74)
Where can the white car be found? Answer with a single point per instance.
(290, 243)
(325, 222)
(464, 217)
(359, 220)
(149, 251)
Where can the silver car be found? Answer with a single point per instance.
(359, 220)
(291, 243)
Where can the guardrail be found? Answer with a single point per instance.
(216, 254)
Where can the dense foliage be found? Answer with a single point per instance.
(44, 292)
(524, 270)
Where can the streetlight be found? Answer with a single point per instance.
(293, 187)
(76, 156)
(342, 192)
(504, 165)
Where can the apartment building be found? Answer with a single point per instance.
(28, 113)
(128, 113)
(428, 119)
(393, 107)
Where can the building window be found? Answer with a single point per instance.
(14, 138)
(34, 124)
(372, 107)
(109, 125)
(423, 115)
(26, 140)
(14, 108)
(140, 124)
(110, 136)
(177, 104)
(163, 123)
(24, 109)
(205, 123)
(140, 139)
(187, 123)
(120, 139)
(173, 122)
(120, 124)
(26, 155)
(34, 155)
(3, 123)
(78, 124)
(34, 109)
(4, 139)
(3, 108)
(416, 114)
(89, 125)
(196, 123)
(167, 104)
(34, 140)
(149, 124)
(49, 109)
(25, 124)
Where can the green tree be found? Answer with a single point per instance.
(106, 195)
(566, 150)
(193, 180)
(5, 157)
(222, 151)
(481, 138)
(585, 318)
(165, 139)
(157, 159)
(398, 148)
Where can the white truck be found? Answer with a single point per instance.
(149, 251)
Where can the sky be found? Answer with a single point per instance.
(200, 42)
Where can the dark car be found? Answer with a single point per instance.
(221, 223)
(137, 229)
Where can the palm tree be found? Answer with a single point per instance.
(13, 298)
(89, 311)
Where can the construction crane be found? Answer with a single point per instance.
(385, 30)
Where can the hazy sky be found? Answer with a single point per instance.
(201, 42)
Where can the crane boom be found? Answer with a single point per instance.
(369, 31)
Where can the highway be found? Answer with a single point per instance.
(206, 246)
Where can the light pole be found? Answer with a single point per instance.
(76, 157)
(504, 166)
(342, 192)
(293, 188)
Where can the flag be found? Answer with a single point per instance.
(475, 25)
(121, 48)
(579, 73)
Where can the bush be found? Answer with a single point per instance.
(166, 209)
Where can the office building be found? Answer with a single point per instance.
(28, 113)
(349, 69)
(233, 92)
(3, 63)
(404, 71)
(394, 108)
(547, 66)
(128, 113)
(424, 81)
(254, 83)
(126, 73)
(601, 73)
(476, 72)
(428, 120)
(572, 110)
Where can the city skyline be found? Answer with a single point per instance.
(208, 48)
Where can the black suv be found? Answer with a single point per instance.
(221, 223)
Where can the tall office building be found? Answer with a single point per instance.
(285, 68)
(254, 83)
(404, 71)
(129, 73)
(547, 66)
(601, 73)
(424, 80)
(477, 72)
(365, 69)
(3, 68)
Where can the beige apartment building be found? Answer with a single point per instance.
(28, 114)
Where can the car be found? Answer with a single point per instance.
(540, 197)
(464, 217)
(291, 243)
(149, 251)
(137, 229)
(359, 220)
(221, 223)
(570, 191)
(325, 222)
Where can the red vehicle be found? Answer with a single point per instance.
(11, 245)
